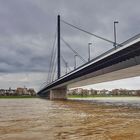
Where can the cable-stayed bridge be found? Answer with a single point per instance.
(121, 61)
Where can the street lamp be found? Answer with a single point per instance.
(75, 61)
(89, 45)
(66, 67)
(115, 22)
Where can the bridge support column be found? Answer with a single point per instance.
(58, 94)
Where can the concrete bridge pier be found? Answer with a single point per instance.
(58, 94)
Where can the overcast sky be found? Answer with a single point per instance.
(27, 29)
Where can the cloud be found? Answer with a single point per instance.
(27, 30)
(29, 80)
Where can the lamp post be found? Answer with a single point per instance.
(115, 22)
(66, 67)
(75, 61)
(89, 45)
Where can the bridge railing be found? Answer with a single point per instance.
(130, 39)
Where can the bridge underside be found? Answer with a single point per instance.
(124, 63)
(55, 94)
(125, 69)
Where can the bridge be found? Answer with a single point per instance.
(121, 61)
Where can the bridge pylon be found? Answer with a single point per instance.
(58, 94)
(58, 48)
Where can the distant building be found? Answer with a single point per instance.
(114, 92)
(32, 92)
(2, 92)
(18, 92)
(25, 91)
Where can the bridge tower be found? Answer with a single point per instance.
(58, 93)
(58, 48)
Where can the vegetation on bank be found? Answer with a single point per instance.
(17, 92)
(13, 97)
(94, 96)
(85, 93)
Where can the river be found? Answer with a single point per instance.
(90, 119)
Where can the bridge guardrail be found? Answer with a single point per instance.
(130, 39)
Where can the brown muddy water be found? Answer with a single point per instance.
(40, 119)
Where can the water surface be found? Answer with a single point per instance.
(40, 119)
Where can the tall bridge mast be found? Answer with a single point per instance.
(58, 48)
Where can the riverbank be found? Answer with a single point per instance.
(113, 101)
(16, 97)
(98, 96)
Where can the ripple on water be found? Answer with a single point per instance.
(35, 119)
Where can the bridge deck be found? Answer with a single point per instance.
(129, 49)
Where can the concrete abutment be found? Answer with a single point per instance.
(58, 94)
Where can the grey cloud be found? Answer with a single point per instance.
(22, 17)
(27, 29)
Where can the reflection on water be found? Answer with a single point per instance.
(39, 119)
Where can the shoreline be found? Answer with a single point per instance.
(113, 101)
(17, 97)
(98, 96)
